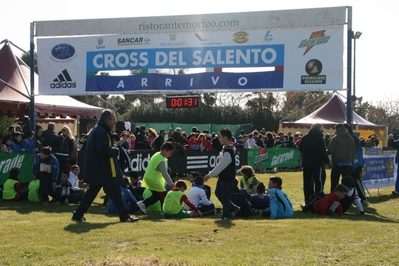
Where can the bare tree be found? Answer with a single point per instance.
(385, 113)
(228, 99)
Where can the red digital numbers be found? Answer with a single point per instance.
(176, 102)
(182, 101)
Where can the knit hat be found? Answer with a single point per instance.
(348, 181)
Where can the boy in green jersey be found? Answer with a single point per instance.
(174, 202)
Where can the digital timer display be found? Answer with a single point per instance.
(182, 101)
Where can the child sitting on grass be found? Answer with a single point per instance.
(135, 185)
(248, 181)
(128, 199)
(174, 202)
(352, 197)
(240, 197)
(192, 176)
(63, 190)
(33, 194)
(280, 205)
(197, 196)
(328, 204)
(12, 189)
(260, 200)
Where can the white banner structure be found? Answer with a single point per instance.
(287, 50)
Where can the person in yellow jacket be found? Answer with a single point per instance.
(33, 194)
(156, 175)
(248, 180)
(174, 202)
(12, 189)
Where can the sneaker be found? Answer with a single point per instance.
(225, 219)
(234, 213)
(130, 220)
(395, 192)
(75, 219)
(142, 206)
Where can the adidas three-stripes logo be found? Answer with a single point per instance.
(63, 80)
(63, 76)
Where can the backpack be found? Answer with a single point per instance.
(358, 160)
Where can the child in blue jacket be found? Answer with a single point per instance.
(280, 205)
(46, 169)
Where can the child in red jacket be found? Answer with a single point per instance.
(329, 204)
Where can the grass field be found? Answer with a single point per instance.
(32, 234)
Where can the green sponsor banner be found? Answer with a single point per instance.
(24, 161)
(271, 158)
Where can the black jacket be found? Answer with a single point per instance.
(157, 143)
(101, 163)
(141, 141)
(313, 150)
(229, 173)
(63, 144)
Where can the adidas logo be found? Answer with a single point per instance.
(63, 80)
(202, 161)
(197, 162)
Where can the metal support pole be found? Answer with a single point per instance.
(349, 114)
(354, 66)
(32, 78)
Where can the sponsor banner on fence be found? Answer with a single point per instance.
(273, 158)
(24, 161)
(379, 171)
(187, 160)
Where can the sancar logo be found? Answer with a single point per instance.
(63, 81)
(134, 40)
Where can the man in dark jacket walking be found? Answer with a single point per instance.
(102, 169)
(314, 159)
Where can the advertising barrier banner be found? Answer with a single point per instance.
(186, 160)
(379, 171)
(273, 158)
(24, 161)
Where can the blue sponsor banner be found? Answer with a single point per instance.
(187, 82)
(379, 171)
(191, 57)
